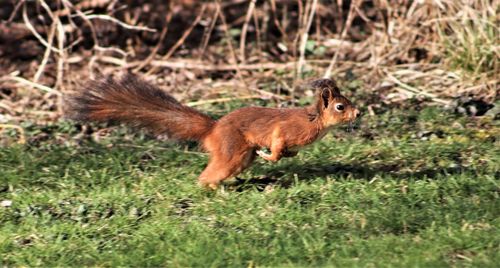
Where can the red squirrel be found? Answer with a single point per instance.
(232, 141)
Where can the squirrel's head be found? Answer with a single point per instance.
(332, 107)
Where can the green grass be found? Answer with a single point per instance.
(471, 39)
(412, 188)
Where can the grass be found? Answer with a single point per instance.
(472, 40)
(418, 188)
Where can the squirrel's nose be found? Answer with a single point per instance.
(357, 113)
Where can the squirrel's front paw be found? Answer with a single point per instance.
(263, 155)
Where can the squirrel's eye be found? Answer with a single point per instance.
(339, 107)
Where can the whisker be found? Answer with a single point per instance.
(350, 126)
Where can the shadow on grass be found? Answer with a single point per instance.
(284, 176)
(281, 175)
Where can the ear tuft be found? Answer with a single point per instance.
(326, 84)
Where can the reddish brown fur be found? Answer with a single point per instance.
(233, 140)
(140, 104)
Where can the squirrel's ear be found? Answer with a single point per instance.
(325, 97)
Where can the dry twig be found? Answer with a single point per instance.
(219, 100)
(415, 91)
(34, 32)
(244, 30)
(181, 40)
(31, 84)
(160, 42)
(305, 37)
(121, 23)
(347, 26)
(230, 43)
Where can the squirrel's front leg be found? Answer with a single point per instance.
(277, 147)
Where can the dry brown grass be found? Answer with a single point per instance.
(440, 49)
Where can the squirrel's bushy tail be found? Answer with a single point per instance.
(135, 102)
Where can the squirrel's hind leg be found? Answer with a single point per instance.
(214, 173)
(229, 152)
(220, 168)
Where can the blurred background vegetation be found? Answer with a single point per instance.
(440, 52)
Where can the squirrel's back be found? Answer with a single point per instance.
(135, 102)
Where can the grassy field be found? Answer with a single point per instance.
(413, 188)
(415, 185)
